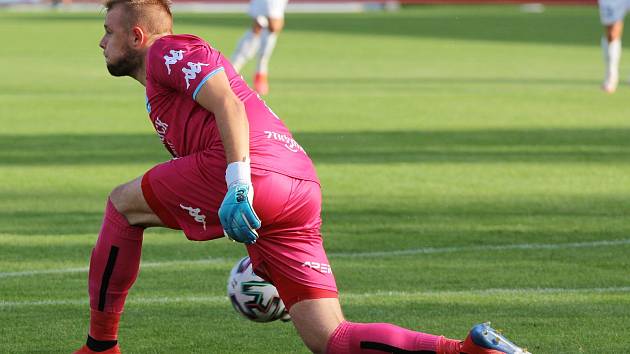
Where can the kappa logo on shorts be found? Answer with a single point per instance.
(320, 267)
(176, 55)
(194, 212)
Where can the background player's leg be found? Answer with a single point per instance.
(268, 44)
(323, 329)
(247, 47)
(611, 48)
(115, 262)
(268, 41)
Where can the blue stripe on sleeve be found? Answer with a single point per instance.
(206, 78)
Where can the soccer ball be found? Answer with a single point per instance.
(252, 296)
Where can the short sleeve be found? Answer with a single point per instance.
(182, 64)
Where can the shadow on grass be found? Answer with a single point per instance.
(72, 149)
(458, 146)
(380, 82)
(55, 222)
(541, 146)
(482, 220)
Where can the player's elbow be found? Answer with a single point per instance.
(233, 107)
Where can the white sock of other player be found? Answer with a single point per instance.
(245, 50)
(267, 44)
(612, 56)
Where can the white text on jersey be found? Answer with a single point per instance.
(288, 141)
(161, 129)
(320, 267)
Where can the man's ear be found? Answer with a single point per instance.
(138, 37)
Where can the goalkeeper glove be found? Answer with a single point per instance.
(237, 215)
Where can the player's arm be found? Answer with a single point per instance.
(236, 213)
(217, 96)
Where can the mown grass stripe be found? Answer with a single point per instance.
(346, 296)
(415, 251)
(522, 246)
(144, 265)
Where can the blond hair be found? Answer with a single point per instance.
(153, 16)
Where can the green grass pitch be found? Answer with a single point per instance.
(472, 170)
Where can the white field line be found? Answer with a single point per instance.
(344, 297)
(144, 265)
(522, 246)
(414, 251)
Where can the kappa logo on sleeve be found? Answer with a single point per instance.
(192, 71)
(176, 55)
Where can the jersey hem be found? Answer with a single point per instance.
(264, 167)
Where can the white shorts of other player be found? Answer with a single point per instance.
(611, 11)
(267, 8)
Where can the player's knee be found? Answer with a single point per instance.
(122, 200)
(316, 345)
(316, 321)
(614, 31)
(128, 199)
(276, 25)
(317, 341)
(260, 22)
(314, 336)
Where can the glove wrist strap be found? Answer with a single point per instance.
(238, 172)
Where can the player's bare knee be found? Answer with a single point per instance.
(614, 31)
(275, 30)
(316, 345)
(128, 200)
(259, 24)
(121, 199)
(315, 339)
(316, 321)
(276, 25)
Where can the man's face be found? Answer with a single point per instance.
(120, 57)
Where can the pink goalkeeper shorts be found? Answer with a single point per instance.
(186, 193)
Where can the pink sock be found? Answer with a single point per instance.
(359, 338)
(114, 267)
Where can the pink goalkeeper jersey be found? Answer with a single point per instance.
(177, 67)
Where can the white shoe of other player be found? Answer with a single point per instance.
(610, 84)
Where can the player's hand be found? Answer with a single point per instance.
(238, 218)
(237, 215)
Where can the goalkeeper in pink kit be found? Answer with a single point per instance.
(236, 171)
